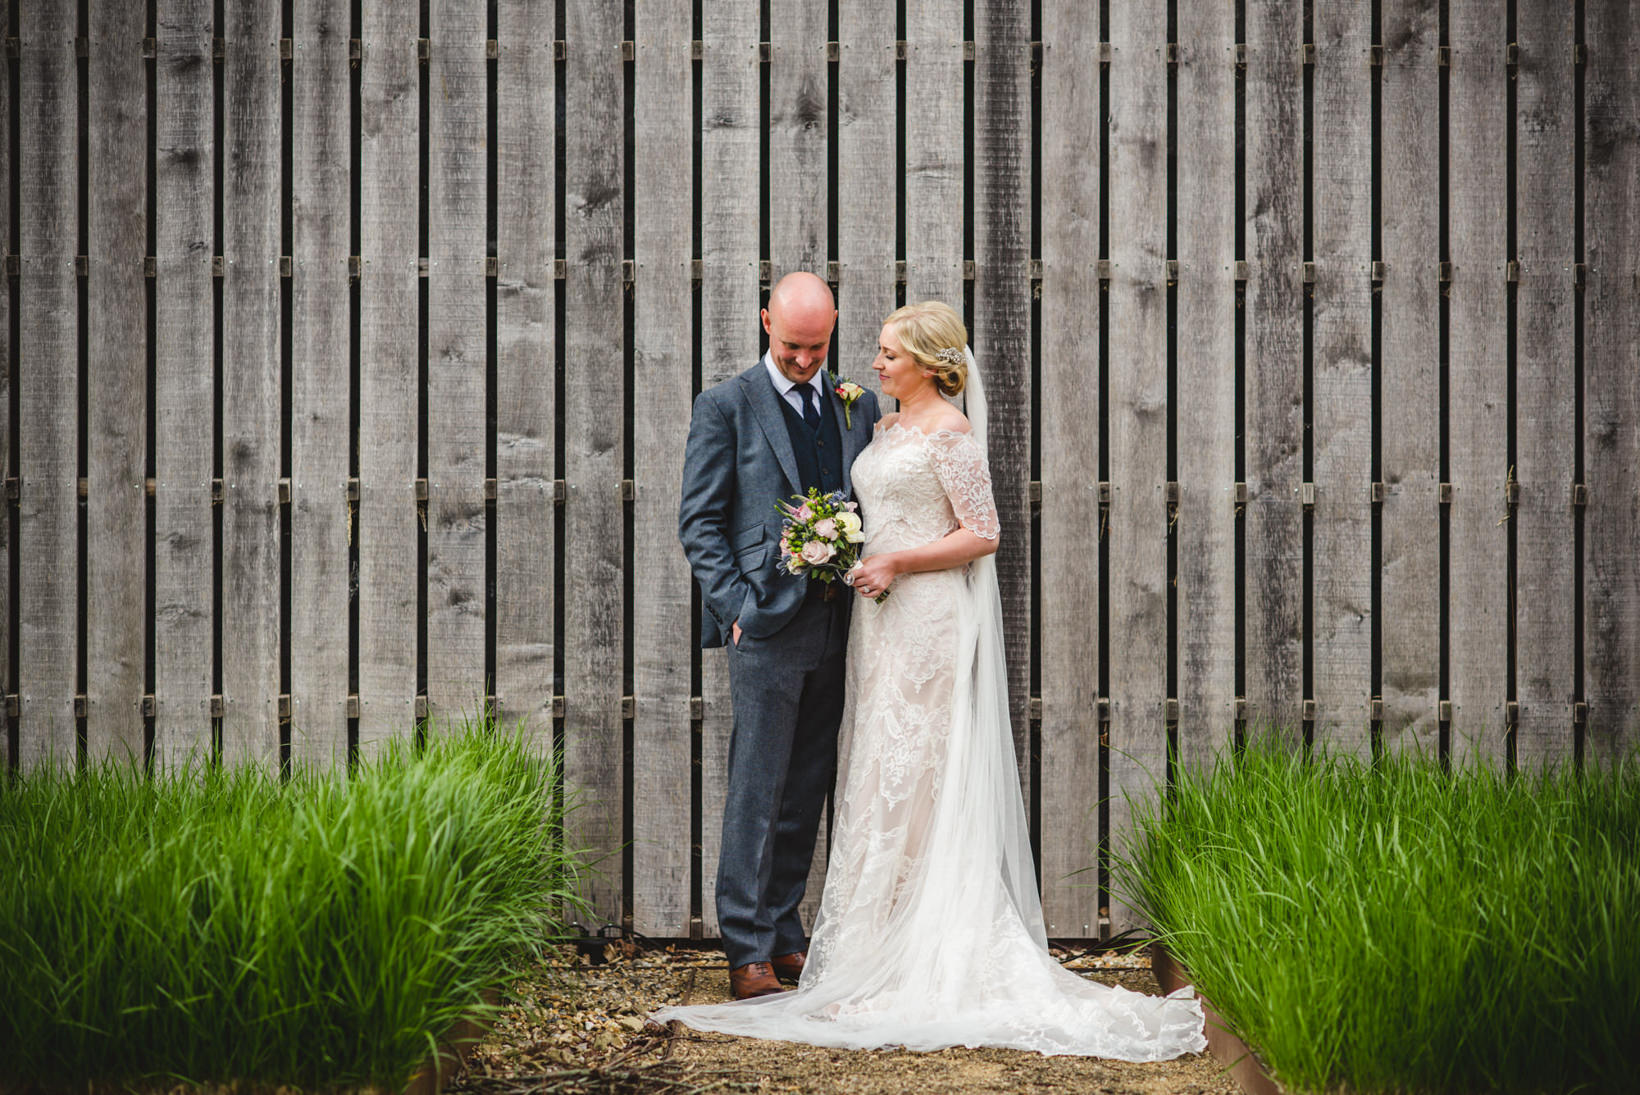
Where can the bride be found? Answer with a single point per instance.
(930, 927)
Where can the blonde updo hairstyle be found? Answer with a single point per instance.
(926, 328)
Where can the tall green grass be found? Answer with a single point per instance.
(215, 925)
(1401, 928)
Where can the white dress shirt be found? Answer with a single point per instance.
(788, 388)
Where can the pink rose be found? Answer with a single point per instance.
(815, 552)
(852, 507)
(826, 528)
(803, 513)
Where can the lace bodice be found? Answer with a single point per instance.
(915, 487)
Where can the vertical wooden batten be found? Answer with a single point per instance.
(386, 520)
(456, 369)
(1341, 551)
(1545, 394)
(526, 553)
(1206, 393)
(1477, 421)
(1071, 518)
(1611, 442)
(1409, 386)
(319, 359)
(934, 152)
(1274, 388)
(1137, 415)
(662, 347)
(866, 215)
(593, 450)
(117, 382)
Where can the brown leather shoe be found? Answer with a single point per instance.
(753, 979)
(789, 967)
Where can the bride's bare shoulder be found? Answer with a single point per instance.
(887, 420)
(950, 420)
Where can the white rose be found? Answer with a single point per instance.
(849, 525)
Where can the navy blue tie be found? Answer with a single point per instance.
(811, 406)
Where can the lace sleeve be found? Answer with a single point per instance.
(966, 478)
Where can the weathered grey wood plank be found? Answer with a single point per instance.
(319, 593)
(525, 551)
(662, 345)
(798, 141)
(593, 392)
(48, 383)
(865, 142)
(1274, 384)
(386, 522)
(1545, 397)
(1342, 380)
(933, 152)
(250, 386)
(8, 389)
(1000, 327)
(1137, 417)
(1206, 396)
(456, 366)
(184, 379)
(1477, 419)
(1611, 380)
(1070, 517)
(117, 368)
(1409, 335)
(730, 335)
(797, 137)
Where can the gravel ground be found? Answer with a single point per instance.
(576, 1027)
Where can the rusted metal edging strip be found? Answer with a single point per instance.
(1238, 1058)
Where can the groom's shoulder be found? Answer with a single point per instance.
(731, 389)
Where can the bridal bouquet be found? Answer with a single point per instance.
(822, 535)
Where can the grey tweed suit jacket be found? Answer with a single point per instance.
(738, 463)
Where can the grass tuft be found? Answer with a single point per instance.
(211, 925)
(1402, 928)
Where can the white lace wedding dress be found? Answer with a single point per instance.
(930, 927)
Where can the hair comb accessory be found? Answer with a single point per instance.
(951, 355)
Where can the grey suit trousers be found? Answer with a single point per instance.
(787, 693)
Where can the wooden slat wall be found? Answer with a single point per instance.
(117, 378)
(1611, 383)
(385, 521)
(663, 343)
(969, 132)
(730, 340)
(1341, 560)
(1137, 417)
(250, 385)
(8, 435)
(1477, 371)
(1205, 650)
(320, 415)
(1545, 385)
(456, 365)
(1410, 377)
(594, 393)
(48, 382)
(1274, 385)
(1069, 419)
(526, 428)
(184, 382)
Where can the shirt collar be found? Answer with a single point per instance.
(784, 384)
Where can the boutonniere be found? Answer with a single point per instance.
(848, 392)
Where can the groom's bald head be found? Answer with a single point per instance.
(799, 319)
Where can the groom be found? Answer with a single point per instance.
(774, 431)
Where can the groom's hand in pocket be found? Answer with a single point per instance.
(734, 630)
